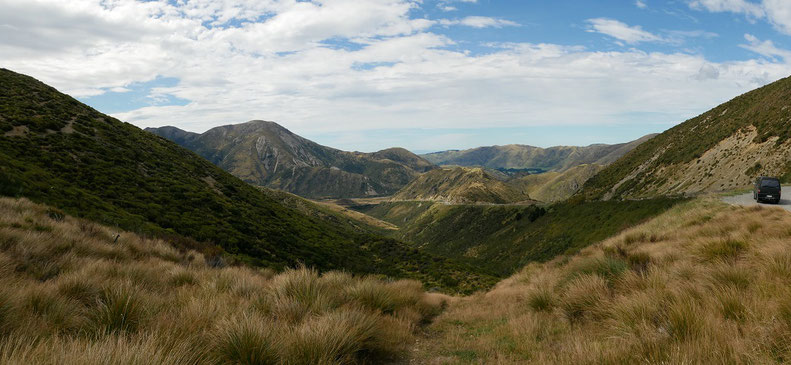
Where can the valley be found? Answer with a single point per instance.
(617, 253)
(96, 167)
(500, 238)
(447, 182)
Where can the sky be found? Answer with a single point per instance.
(426, 75)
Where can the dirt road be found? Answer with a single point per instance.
(747, 200)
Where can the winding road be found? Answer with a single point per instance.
(747, 200)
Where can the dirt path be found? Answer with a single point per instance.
(747, 200)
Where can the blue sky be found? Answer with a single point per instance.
(425, 75)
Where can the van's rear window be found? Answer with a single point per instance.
(770, 184)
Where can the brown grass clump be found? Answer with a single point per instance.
(703, 283)
(70, 295)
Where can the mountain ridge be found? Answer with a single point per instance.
(267, 154)
(518, 156)
(460, 185)
(476, 185)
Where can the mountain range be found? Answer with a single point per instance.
(266, 154)
(523, 157)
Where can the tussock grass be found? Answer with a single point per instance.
(541, 299)
(584, 296)
(120, 309)
(711, 287)
(246, 340)
(723, 249)
(607, 268)
(69, 294)
(334, 338)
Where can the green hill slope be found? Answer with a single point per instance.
(722, 149)
(515, 156)
(552, 187)
(471, 185)
(55, 150)
(503, 238)
(266, 154)
(460, 185)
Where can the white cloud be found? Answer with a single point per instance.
(350, 65)
(776, 12)
(480, 22)
(765, 48)
(779, 14)
(708, 72)
(734, 6)
(621, 31)
(447, 5)
(640, 4)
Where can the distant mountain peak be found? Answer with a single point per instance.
(268, 154)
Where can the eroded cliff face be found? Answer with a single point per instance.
(732, 164)
(723, 149)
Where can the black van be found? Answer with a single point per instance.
(767, 189)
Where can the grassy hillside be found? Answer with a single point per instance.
(460, 185)
(468, 185)
(558, 158)
(71, 294)
(552, 187)
(704, 283)
(722, 149)
(57, 151)
(332, 213)
(266, 154)
(502, 238)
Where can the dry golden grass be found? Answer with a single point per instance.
(69, 295)
(705, 283)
